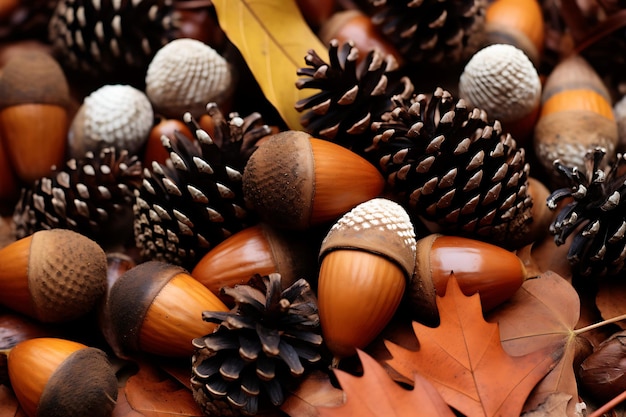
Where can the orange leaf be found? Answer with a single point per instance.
(315, 390)
(542, 313)
(464, 360)
(376, 394)
(151, 393)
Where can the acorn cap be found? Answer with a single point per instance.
(97, 388)
(33, 77)
(67, 274)
(378, 226)
(501, 80)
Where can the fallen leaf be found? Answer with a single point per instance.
(464, 359)
(611, 299)
(315, 390)
(273, 38)
(554, 406)
(152, 393)
(375, 394)
(542, 313)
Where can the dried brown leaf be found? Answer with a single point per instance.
(554, 406)
(314, 391)
(464, 359)
(611, 299)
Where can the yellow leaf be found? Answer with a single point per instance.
(273, 38)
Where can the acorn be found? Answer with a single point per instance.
(34, 116)
(185, 75)
(479, 267)
(258, 249)
(602, 374)
(366, 261)
(53, 275)
(9, 189)
(516, 22)
(295, 181)
(49, 378)
(156, 308)
(576, 116)
(114, 115)
(164, 126)
(501, 80)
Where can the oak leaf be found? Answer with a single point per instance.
(464, 359)
(273, 38)
(543, 313)
(314, 391)
(375, 394)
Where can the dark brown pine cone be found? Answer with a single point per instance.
(596, 217)
(352, 94)
(262, 346)
(448, 164)
(431, 31)
(93, 196)
(195, 200)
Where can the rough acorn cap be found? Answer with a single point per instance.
(73, 392)
(501, 80)
(113, 115)
(185, 75)
(33, 77)
(67, 274)
(379, 226)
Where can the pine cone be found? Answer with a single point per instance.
(257, 350)
(92, 196)
(352, 95)
(431, 31)
(596, 216)
(107, 36)
(448, 164)
(195, 200)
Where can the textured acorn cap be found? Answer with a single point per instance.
(113, 115)
(71, 391)
(33, 77)
(185, 75)
(379, 226)
(67, 274)
(501, 80)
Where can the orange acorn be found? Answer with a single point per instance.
(295, 181)
(49, 377)
(516, 22)
(52, 275)
(367, 258)
(576, 116)
(259, 249)
(34, 116)
(157, 308)
(155, 151)
(495, 273)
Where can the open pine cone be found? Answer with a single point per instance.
(352, 95)
(195, 200)
(431, 31)
(259, 347)
(596, 217)
(449, 165)
(92, 196)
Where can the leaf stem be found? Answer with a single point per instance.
(600, 324)
(609, 406)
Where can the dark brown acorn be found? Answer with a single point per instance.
(195, 200)
(602, 374)
(447, 163)
(431, 31)
(353, 94)
(596, 215)
(260, 349)
(92, 195)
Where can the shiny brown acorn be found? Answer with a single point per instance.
(259, 249)
(157, 308)
(295, 181)
(576, 116)
(52, 275)
(367, 259)
(155, 151)
(495, 273)
(34, 113)
(49, 378)
(355, 26)
(9, 189)
(519, 23)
